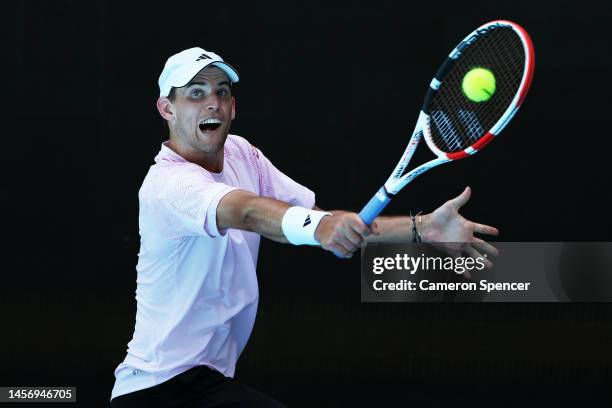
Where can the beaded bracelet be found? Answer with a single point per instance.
(416, 237)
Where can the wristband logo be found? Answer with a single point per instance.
(307, 221)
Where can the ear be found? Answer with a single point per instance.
(165, 108)
(233, 108)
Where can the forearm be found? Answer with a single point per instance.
(341, 232)
(249, 212)
(265, 216)
(394, 229)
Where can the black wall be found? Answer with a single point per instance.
(330, 93)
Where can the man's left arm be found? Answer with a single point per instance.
(445, 228)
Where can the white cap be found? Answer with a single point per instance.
(182, 67)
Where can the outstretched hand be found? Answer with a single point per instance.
(447, 230)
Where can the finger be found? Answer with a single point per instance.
(374, 228)
(472, 252)
(358, 226)
(451, 251)
(485, 229)
(345, 243)
(485, 247)
(461, 199)
(354, 236)
(338, 250)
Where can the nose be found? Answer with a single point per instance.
(212, 103)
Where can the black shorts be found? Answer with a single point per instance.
(197, 387)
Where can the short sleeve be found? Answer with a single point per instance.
(186, 201)
(275, 184)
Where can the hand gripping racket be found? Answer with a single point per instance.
(453, 125)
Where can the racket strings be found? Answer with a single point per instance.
(457, 122)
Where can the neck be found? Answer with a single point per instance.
(212, 162)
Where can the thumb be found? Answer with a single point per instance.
(374, 228)
(461, 199)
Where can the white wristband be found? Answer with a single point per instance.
(299, 225)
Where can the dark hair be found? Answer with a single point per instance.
(172, 94)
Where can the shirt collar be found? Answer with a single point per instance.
(168, 155)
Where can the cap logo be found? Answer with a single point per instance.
(203, 56)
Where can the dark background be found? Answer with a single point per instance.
(330, 93)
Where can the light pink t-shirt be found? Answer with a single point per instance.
(196, 288)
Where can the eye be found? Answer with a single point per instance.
(223, 92)
(197, 93)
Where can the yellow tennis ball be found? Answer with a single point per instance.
(478, 84)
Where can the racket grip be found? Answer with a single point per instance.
(375, 206)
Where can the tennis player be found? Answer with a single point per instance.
(203, 206)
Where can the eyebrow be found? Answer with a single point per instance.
(206, 83)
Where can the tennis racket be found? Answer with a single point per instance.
(453, 125)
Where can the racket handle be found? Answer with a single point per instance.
(375, 206)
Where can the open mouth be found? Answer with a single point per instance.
(210, 125)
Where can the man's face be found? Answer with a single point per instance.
(204, 110)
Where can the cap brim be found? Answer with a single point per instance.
(187, 76)
(228, 69)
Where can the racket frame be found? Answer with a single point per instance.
(396, 180)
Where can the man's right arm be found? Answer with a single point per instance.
(341, 233)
